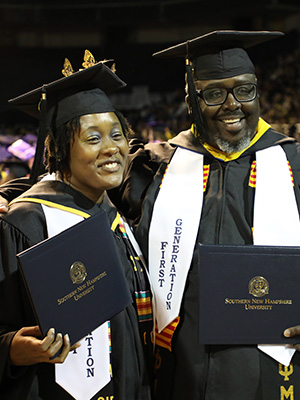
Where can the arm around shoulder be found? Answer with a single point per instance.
(14, 188)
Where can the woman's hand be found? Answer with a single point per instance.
(291, 332)
(27, 349)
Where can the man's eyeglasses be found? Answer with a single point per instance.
(217, 96)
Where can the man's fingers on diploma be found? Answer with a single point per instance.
(293, 331)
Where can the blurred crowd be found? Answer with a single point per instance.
(162, 118)
(280, 93)
(17, 150)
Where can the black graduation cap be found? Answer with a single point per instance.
(17, 167)
(98, 77)
(219, 54)
(79, 93)
(215, 55)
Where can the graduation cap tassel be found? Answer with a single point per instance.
(194, 102)
(38, 167)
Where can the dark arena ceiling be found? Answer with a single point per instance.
(17, 14)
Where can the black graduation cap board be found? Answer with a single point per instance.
(216, 41)
(98, 76)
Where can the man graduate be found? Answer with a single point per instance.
(230, 179)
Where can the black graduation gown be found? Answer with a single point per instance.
(23, 226)
(191, 370)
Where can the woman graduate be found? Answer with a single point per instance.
(85, 155)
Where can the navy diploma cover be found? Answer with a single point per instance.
(75, 279)
(248, 294)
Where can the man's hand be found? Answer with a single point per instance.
(27, 349)
(291, 332)
(3, 205)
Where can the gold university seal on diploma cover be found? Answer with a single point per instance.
(258, 286)
(78, 272)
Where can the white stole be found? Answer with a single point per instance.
(272, 226)
(177, 213)
(86, 370)
(173, 232)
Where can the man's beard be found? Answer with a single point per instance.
(229, 147)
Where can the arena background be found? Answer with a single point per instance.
(36, 36)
